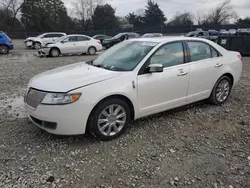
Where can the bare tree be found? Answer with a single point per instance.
(222, 14)
(11, 9)
(84, 9)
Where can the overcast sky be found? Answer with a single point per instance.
(170, 7)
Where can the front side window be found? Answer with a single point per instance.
(199, 51)
(70, 39)
(124, 56)
(169, 55)
(48, 36)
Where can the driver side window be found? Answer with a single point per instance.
(169, 55)
(70, 39)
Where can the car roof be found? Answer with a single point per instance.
(55, 33)
(72, 35)
(168, 39)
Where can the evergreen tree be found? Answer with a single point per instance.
(154, 16)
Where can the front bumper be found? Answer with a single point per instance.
(44, 52)
(70, 119)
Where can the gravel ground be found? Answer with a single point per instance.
(199, 145)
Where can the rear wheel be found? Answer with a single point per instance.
(54, 52)
(221, 91)
(92, 51)
(109, 119)
(4, 49)
(37, 45)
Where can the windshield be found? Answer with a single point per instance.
(60, 39)
(191, 34)
(118, 35)
(124, 56)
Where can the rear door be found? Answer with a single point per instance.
(82, 44)
(205, 69)
(69, 45)
(47, 38)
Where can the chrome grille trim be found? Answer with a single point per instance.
(34, 97)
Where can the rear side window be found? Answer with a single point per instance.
(82, 38)
(57, 35)
(199, 51)
(214, 53)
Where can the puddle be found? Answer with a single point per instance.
(13, 107)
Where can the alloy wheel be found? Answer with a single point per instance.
(223, 90)
(112, 120)
(55, 53)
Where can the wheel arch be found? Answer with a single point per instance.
(55, 47)
(92, 47)
(117, 96)
(230, 76)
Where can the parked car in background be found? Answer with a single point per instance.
(107, 43)
(202, 34)
(243, 32)
(149, 35)
(223, 32)
(133, 79)
(42, 40)
(101, 37)
(232, 31)
(71, 44)
(5, 43)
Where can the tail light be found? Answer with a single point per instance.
(240, 57)
(99, 41)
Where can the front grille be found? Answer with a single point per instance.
(34, 97)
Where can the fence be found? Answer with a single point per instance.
(165, 29)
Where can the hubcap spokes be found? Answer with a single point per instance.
(222, 90)
(111, 120)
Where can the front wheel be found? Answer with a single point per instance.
(54, 52)
(4, 49)
(221, 91)
(37, 45)
(109, 119)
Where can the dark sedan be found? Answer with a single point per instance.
(101, 37)
(107, 43)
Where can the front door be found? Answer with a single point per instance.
(69, 45)
(161, 91)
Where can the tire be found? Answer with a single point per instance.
(4, 49)
(105, 126)
(54, 52)
(92, 50)
(37, 45)
(221, 91)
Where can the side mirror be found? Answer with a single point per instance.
(154, 68)
(62, 41)
(42, 37)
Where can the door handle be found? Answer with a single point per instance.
(218, 65)
(182, 73)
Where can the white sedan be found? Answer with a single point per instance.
(133, 79)
(72, 44)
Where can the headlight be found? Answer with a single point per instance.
(60, 98)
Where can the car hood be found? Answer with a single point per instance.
(70, 77)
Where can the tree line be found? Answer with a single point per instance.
(52, 15)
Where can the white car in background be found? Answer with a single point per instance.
(42, 40)
(71, 44)
(133, 79)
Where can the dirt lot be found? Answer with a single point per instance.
(199, 145)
